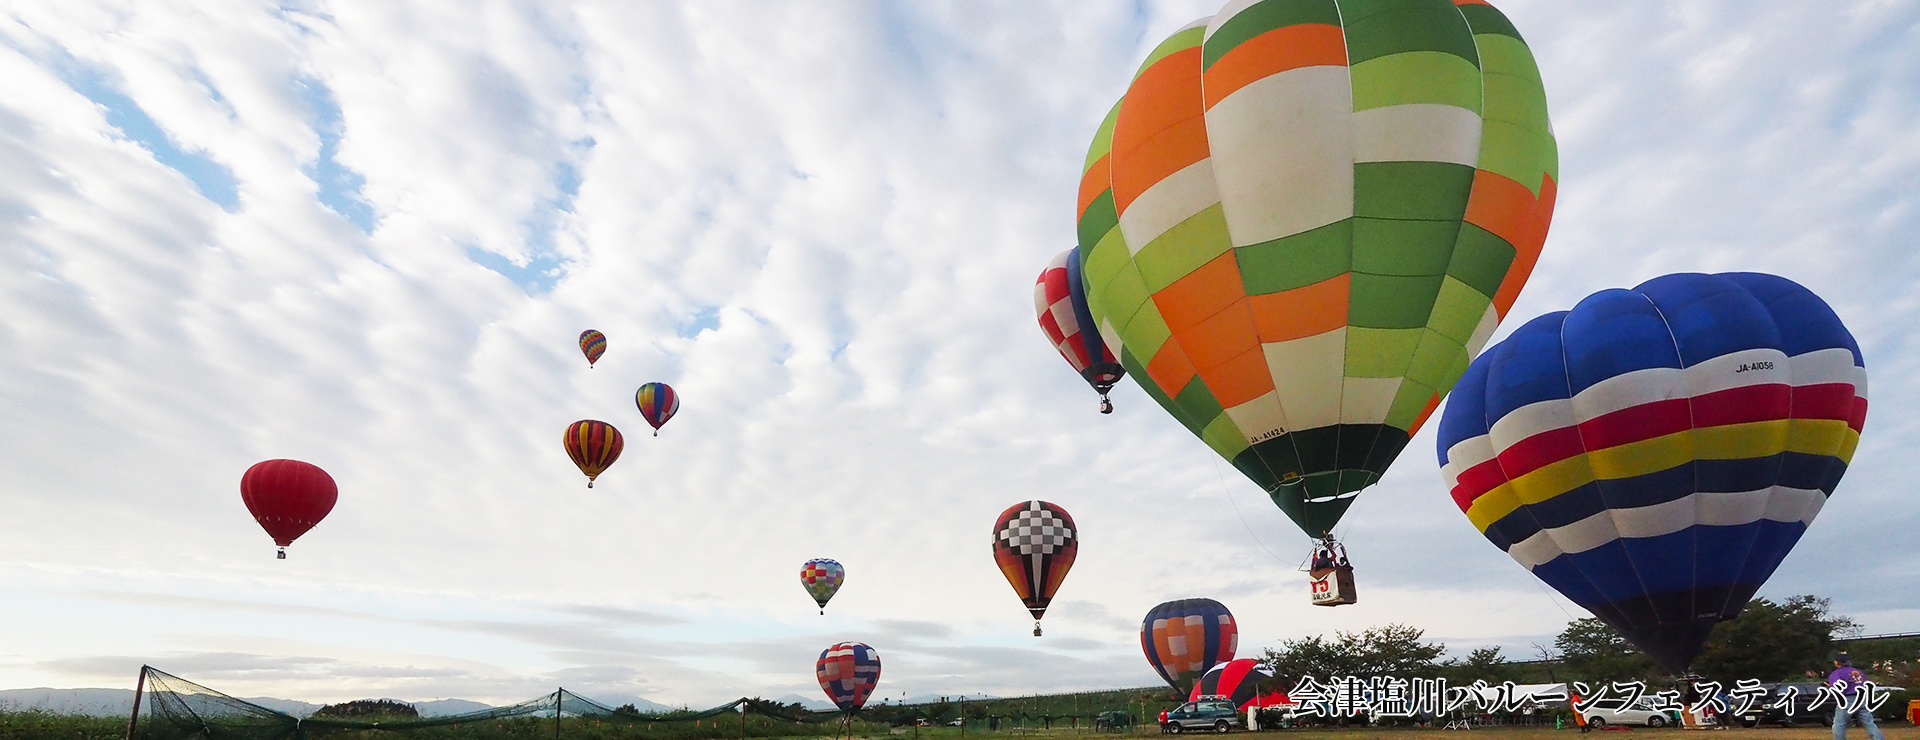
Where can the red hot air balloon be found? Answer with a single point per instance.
(593, 344)
(1237, 681)
(1034, 542)
(593, 445)
(287, 497)
(657, 403)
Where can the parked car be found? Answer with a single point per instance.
(1113, 719)
(1219, 716)
(1641, 712)
(1803, 711)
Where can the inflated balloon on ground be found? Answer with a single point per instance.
(1186, 638)
(848, 672)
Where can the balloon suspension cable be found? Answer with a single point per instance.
(281, 555)
(1106, 406)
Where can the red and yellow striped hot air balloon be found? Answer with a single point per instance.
(593, 445)
(1305, 217)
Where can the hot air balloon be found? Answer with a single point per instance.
(848, 671)
(822, 578)
(1184, 639)
(1237, 681)
(593, 445)
(593, 344)
(1654, 453)
(287, 497)
(1034, 542)
(1305, 216)
(1061, 304)
(657, 403)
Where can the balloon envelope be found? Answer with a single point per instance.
(593, 344)
(1238, 681)
(1034, 543)
(1305, 216)
(1186, 638)
(593, 445)
(657, 403)
(822, 578)
(287, 497)
(848, 671)
(1654, 453)
(1060, 303)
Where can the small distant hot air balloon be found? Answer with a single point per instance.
(1061, 304)
(1034, 542)
(287, 497)
(593, 445)
(657, 403)
(1184, 639)
(593, 344)
(848, 671)
(822, 578)
(1653, 454)
(1237, 681)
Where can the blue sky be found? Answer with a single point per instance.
(365, 235)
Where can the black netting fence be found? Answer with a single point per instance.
(172, 707)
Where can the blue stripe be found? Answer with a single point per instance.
(1614, 332)
(1698, 557)
(1090, 339)
(1466, 414)
(1812, 472)
(1711, 316)
(1527, 367)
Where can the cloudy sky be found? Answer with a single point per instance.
(366, 235)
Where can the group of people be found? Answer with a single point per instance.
(1849, 679)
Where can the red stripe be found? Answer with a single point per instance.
(1476, 481)
(1636, 423)
(1825, 401)
(1541, 450)
(1743, 405)
(1858, 420)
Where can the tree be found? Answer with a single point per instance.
(368, 709)
(1775, 642)
(1482, 664)
(1593, 650)
(1393, 650)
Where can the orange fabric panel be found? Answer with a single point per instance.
(1160, 130)
(1469, 2)
(1201, 293)
(1097, 180)
(1170, 368)
(1421, 420)
(1273, 52)
(1220, 338)
(1527, 250)
(1302, 312)
(1240, 379)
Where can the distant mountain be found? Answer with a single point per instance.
(88, 702)
(818, 705)
(448, 707)
(637, 702)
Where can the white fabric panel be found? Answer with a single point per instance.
(1261, 418)
(1286, 138)
(1531, 419)
(1489, 321)
(1824, 366)
(1167, 203)
(1112, 337)
(1795, 504)
(1306, 374)
(1719, 509)
(1464, 455)
(1627, 390)
(1367, 400)
(1422, 132)
(1064, 316)
(1725, 372)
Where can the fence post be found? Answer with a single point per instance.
(139, 687)
(558, 695)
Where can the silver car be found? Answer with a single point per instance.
(1641, 712)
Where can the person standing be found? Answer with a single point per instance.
(1163, 721)
(1851, 681)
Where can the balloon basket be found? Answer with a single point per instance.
(1106, 406)
(1036, 628)
(1333, 586)
(281, 555)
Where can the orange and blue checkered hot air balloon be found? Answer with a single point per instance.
(1304, 217)
(1060, 302)
(593, 344)
(822, 578)
(1184, 639)
(1654, 453)
(657, 403)
(848, 672)
(593, 445)
(1034, 543)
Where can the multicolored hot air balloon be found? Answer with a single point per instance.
(848, 671)
(1034, 542)
(657, 403)
(1654, 453)
(593, 344)
(1184, 639)
(287, 497)
(1306, 216)
(1238, 681)
(593, 445)
(1061, 304)
(822, 578)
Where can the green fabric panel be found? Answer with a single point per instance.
(1513, 100)
(1387, 247)
(1137, 369)
(1296, 261)
(1416, 77)
(1392, 301)
(1484, 19)
(1099, 219)
(1104, 261)
(1199, 403)
(1380, 353)
(1224, 436)
(1481, 259)
(1379, 28)
(1265, 462)
(1457, 312)
(1431, 362)
(1145, 329)
(1264, 17)
(1184, 248)
(1102, 138)
(1407, 405)
(1500, 55)
(1178, 42)
(1516, 153)
(1432, 191)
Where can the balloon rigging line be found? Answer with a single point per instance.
(1224, 491)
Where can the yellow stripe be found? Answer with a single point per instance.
(1742, 441)
(1846, 450)
(1819, 436)
(1553, 479)
(1643, 457)
(1492, 506)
